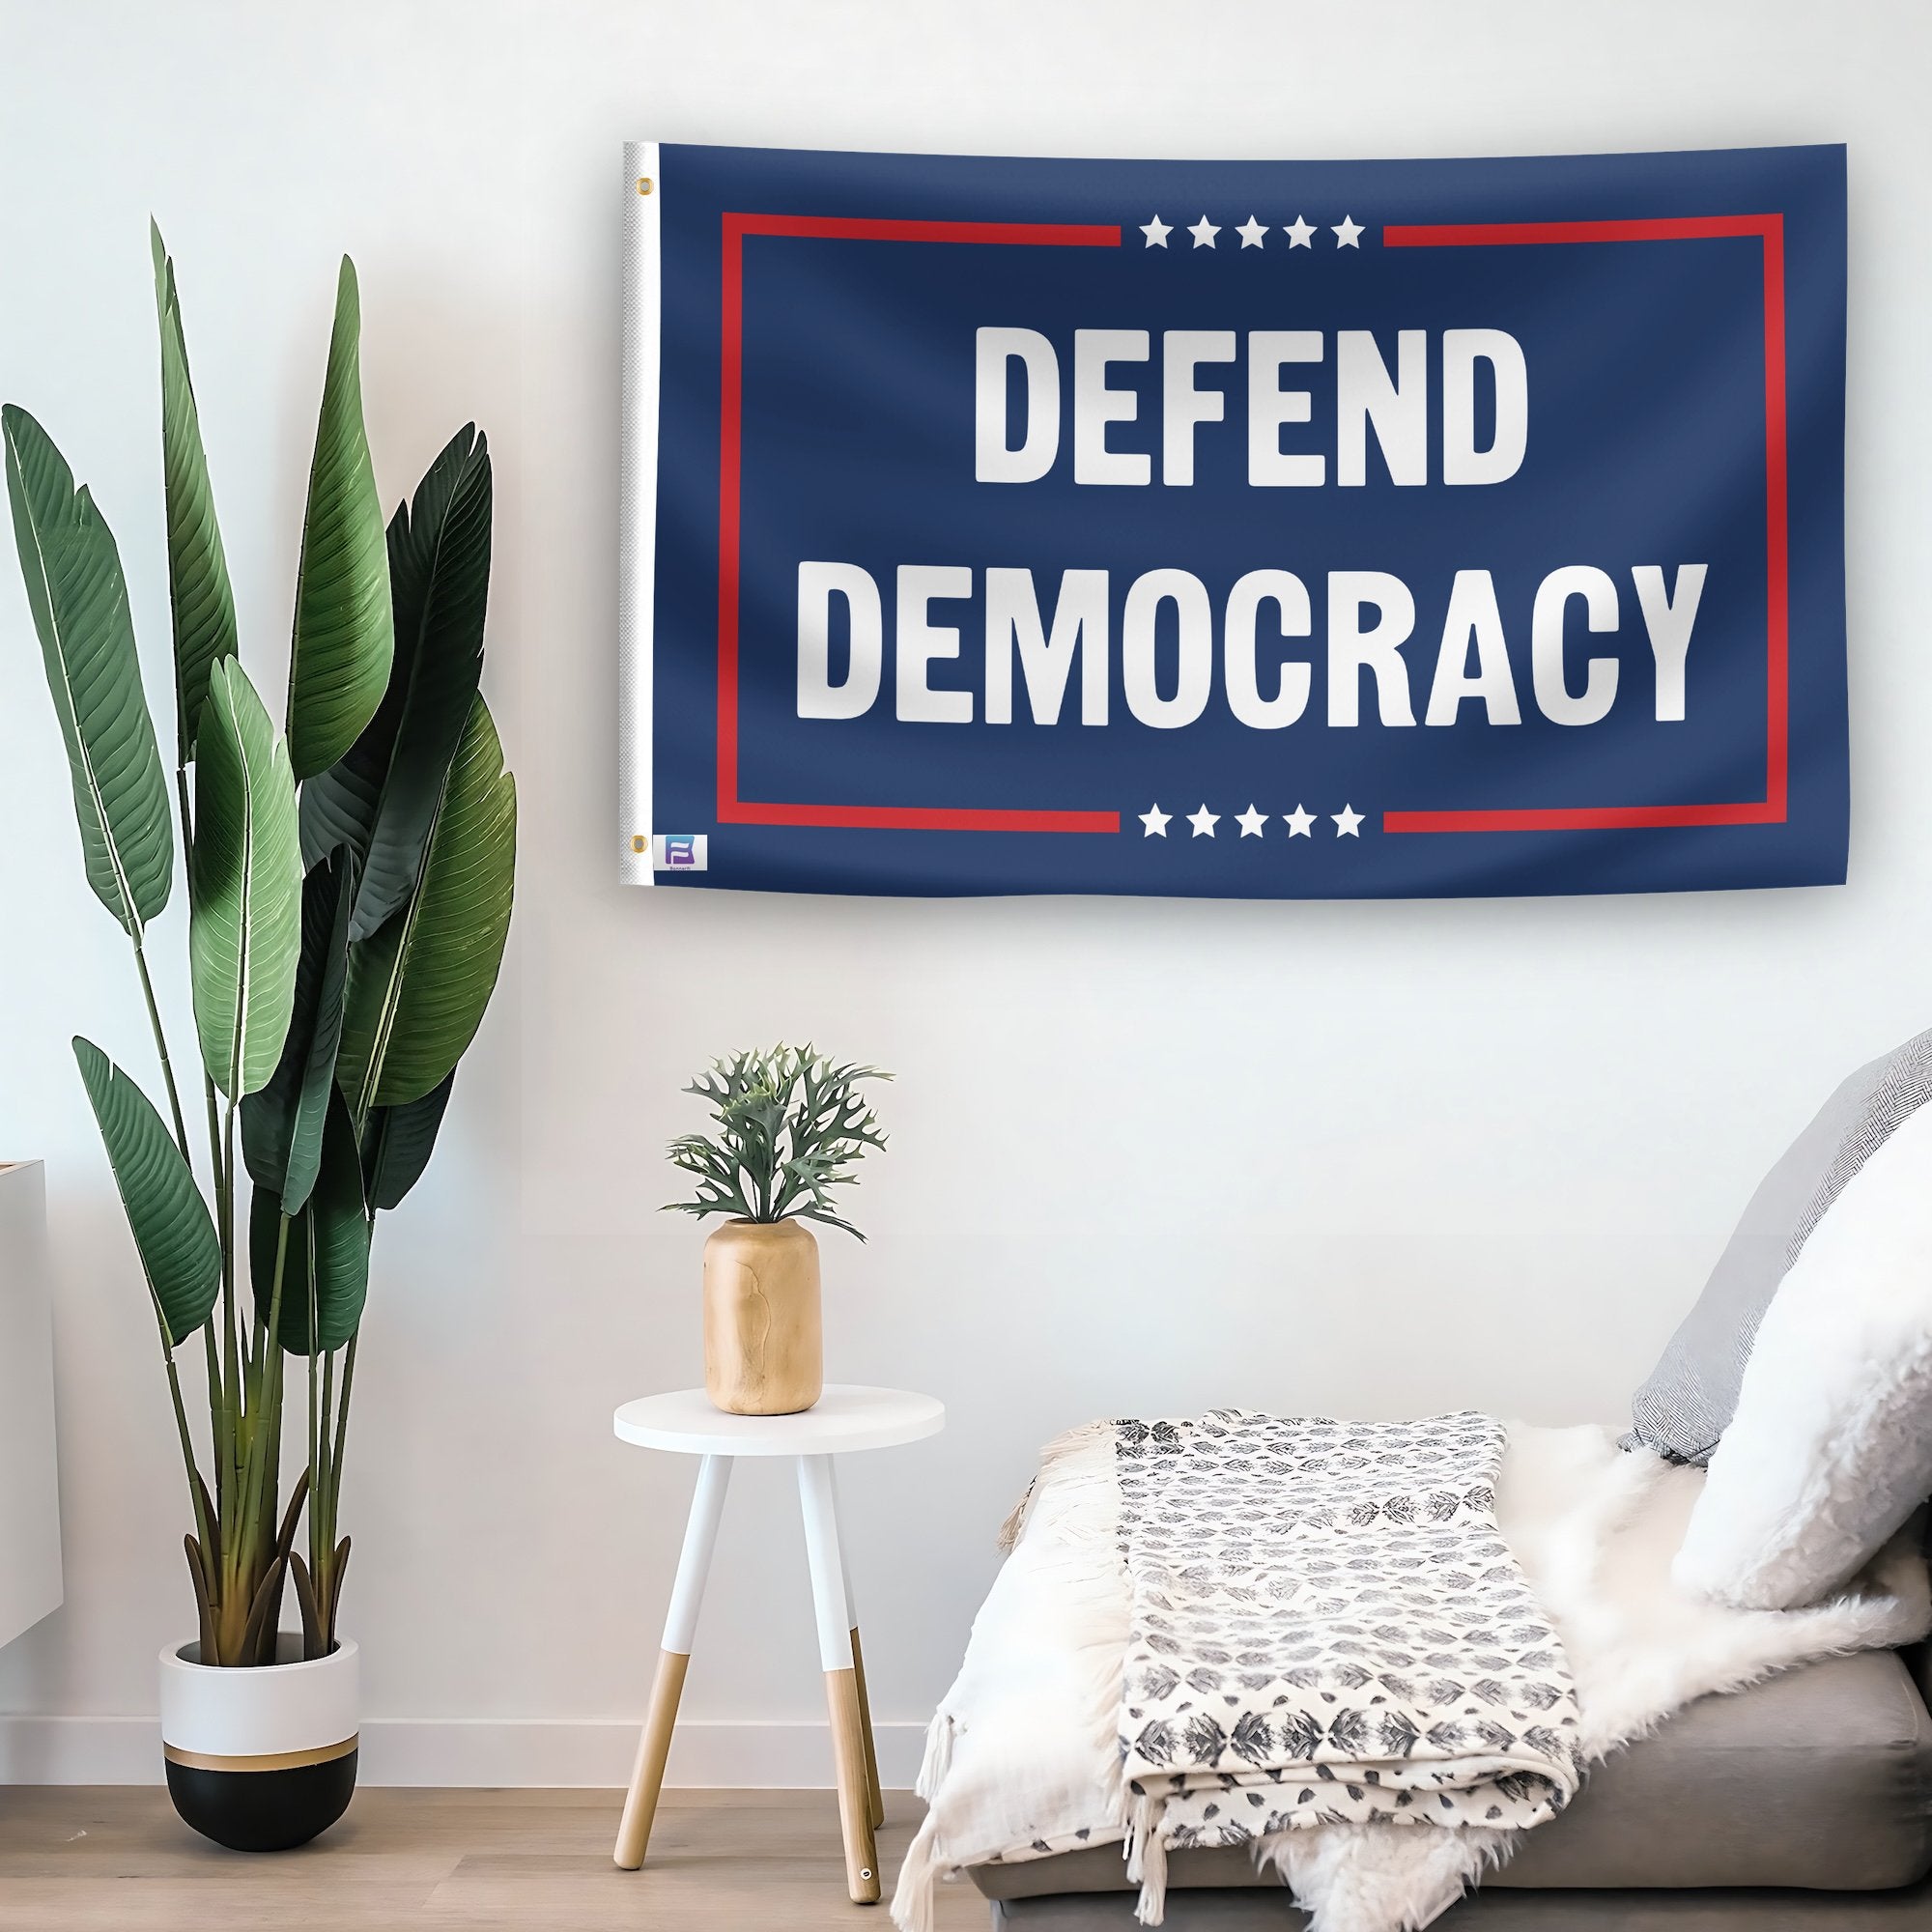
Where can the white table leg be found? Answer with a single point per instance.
(818, 1504)
(875, 1793)
(694, 1565)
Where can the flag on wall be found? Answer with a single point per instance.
(1245, 530)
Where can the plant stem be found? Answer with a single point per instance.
(235, 1418)
(266, 1406)
(316, 1432)
(242, 1568)
(218, 1415)
(323, 1526)
(341, 1425)
(161, 1047)
(322, 1519)
(216, 1436)
(231, 1359)
(186, 812)
(194, 1487)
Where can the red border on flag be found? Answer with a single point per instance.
(1771, 809)
(731, 808)
(1769, 229)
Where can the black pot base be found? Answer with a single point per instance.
(263, 1810)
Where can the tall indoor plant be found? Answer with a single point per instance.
(348, 884)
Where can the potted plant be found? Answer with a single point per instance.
(790, 1127)
(349, 885)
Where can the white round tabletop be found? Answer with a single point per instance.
(845, 1417)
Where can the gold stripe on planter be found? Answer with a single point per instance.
(267, 1761)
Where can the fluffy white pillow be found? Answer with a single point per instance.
(1831, 1449)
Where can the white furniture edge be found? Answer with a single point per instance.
(848, 1418)
(30, 1551)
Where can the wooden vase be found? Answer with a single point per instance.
(764, 1349)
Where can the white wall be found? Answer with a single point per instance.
(1368, 1159)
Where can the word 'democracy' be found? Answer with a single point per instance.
(987, 523)
(1369, 617)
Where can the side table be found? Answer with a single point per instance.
(844, 1419)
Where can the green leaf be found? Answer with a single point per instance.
(380, 798)
(418, 988)
(792, 1125)
(79, 601)
(398, 1142)
(343, 635)
(326, 1264)
(173, 1233)
(281, 1125)
(198, 589)
(246, 882)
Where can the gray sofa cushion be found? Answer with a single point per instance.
(1489, 1911)
(1820, 1778)
(1693, 1393)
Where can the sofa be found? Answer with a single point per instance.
(1801, 1804)
(1800, 1381)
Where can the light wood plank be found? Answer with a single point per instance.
(451, 1862)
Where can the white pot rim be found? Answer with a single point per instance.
(345, 1652)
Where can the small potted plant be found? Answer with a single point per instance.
(789, 1128)
(349, 888)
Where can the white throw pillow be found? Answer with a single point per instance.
(1831, 1449)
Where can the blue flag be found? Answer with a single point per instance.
(1245, 530)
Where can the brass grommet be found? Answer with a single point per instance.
(638, 842)
(644, 184)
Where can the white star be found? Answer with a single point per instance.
(1301, 823)
(1251, 822)
(1156, 232)
(1204, 822)
(1155, 822)
(1301, 234)
(1347, 233)
(1348, 823)
(1251, 232)
(1204, 232)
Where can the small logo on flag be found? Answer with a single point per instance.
(679, 852)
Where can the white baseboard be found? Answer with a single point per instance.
(479, 1751)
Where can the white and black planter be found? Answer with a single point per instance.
(261, 1760)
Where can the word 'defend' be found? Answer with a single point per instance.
(1365, 394)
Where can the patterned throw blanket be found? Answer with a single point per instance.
(1327, 1626)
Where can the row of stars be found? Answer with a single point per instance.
(1347, 233)
(1300, 822)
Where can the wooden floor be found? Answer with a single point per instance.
(75, 1859)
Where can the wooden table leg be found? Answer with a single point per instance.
(694, 1564)
(819, 1509)
(875, 1796)
(855, 1805)
(878, 1797)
